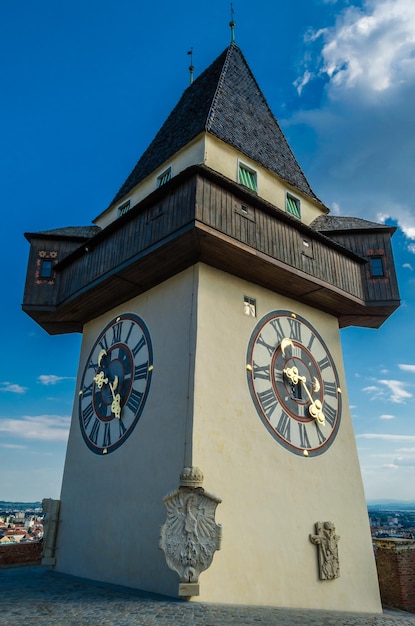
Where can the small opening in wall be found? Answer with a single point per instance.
(124, 208)
(376, 266)
(46, 269)
(307, 248)
(249, 306)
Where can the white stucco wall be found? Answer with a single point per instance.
(224, 159)
(199, 412)
(112, 506)
(271, 497)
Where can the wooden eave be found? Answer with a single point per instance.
(245, 194)
(193, 240)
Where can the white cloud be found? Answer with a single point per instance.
(408, 266)
(407, 368)
(300, 83)
(386, 437)
(396, 387)
(371, 389)
(390, 466)
(39, 427)
(386, 417)
(404, 461)
(52, 379)
(12, 388)
(372, 47)
(364, 123)
(396, 392)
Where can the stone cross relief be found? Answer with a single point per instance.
(190, 535)
(326, 540)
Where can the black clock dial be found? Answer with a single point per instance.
(115, 383)
(294, 383)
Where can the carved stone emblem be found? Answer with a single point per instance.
(50, 529)
(327, 541)
(190, 535)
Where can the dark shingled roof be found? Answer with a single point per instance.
(331, 223)
(224, 100)
(67, 232)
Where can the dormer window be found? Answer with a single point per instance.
(376, 266)
(247, 177)
(293, 205)
(164, 177)
(124, 208)
(46, 269)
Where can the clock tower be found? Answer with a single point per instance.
(211, 406)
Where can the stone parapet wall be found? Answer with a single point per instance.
(21, 553)
(395, 563)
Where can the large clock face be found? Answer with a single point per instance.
(115, 383)
(294, 383)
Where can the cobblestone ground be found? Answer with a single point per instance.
(36, 595)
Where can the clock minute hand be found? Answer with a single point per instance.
(315, 407)
(116, 399)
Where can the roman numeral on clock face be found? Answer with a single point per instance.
(329, 413)
(140, 371)
(87, 414)
(106, 441)
(304, 440)
(284, 426)
(295, 329)
(93, 435)
(134, 400)
(117, 332)
(261, 371)
(138, 346)
(268, 402)
(330, 389)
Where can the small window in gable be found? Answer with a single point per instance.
(124, 208)
(164, 177)
(46, 269)
(249, 306)
(376, 266)
(247, 177)
(293, 206)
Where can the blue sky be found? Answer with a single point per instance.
(86, 85)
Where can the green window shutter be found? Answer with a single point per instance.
(164, 177)
(293, 206)
(247, 178)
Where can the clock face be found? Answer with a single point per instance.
(115, 383)
(294, 383)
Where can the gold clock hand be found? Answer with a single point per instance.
(101, 356)
(116, 399)
(285, 343)
(100, 380)
(315, 407)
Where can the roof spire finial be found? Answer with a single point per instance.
(191, 67)
(232, 24)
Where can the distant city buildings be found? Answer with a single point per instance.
(20, 526)
(395, 524)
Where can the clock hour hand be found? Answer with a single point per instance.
(100, 380)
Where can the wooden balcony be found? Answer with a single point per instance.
(199, 216)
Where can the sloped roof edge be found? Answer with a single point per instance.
(225, 101)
